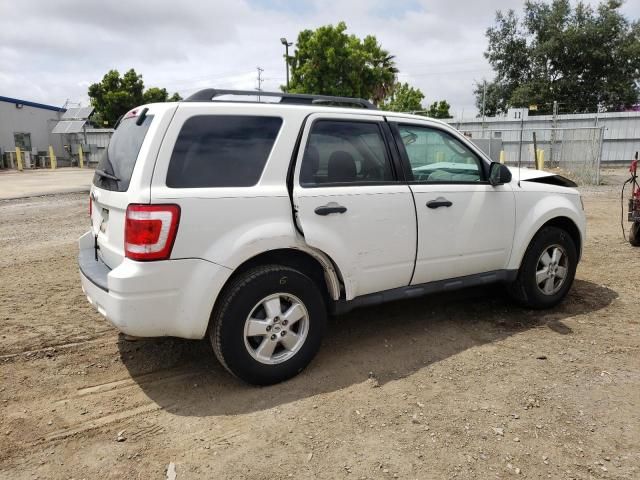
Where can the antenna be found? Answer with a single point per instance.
(260, 80)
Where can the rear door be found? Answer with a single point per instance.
(350, 203)
(123, 176)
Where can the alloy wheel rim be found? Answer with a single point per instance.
(276, 328)
(552, 269)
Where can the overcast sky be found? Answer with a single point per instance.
(51, 51)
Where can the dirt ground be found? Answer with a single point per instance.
(458, 386)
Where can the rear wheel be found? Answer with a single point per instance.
(547, 270)
(268, 324)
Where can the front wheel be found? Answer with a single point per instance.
(547, 270)
(268, 324)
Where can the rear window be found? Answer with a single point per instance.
(222, 151)
(121, 154)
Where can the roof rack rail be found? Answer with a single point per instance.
(210, 94)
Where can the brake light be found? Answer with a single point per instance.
(150, 230)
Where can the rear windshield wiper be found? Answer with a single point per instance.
(104, 174)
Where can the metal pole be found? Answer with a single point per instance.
(520, 147)
(553, 131)
(599, 159)
(286, 61)
(535, 151)
(484, 94)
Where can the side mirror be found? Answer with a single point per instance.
(499, 174)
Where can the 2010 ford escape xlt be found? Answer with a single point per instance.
(249, 222)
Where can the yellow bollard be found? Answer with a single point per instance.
(81, 156)
(501, 156)
(52, 158)
(540, 159)
(439, 157)
(19, 158)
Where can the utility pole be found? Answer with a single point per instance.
(260, 70)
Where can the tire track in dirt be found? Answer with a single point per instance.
(161, 377)
(57, 347)
(136, 405)
(97, 423)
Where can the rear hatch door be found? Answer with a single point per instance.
(123, 176)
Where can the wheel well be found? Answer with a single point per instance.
(568, 226)
(290, 257)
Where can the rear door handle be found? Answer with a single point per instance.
(329, 208)
(439, 202)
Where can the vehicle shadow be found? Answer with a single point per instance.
(389, 341)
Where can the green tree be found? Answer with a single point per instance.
(159, 95)
(581, 57)
(328, 61)
(115, 95)
(439, 110)
(404, 98)
(495, 98)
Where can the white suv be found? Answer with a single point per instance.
(249, 222)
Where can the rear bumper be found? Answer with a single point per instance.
(152, 299)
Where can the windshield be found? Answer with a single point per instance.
(115, 168)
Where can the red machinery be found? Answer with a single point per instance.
(634, 204)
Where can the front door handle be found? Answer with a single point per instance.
(329, 208)
(439, 202)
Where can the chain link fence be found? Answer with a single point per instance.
(578, 151)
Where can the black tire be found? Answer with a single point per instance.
(240, 299)
(525, 289)
(634, 234)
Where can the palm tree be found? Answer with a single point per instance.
(386, 73)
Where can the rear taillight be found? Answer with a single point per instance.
(150, 230)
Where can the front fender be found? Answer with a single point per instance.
(533, 211)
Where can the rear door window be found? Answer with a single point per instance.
(345, 152)
(222, 151)
(120, 156)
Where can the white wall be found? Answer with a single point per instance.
(36, 121)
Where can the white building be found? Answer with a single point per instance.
(28, 125)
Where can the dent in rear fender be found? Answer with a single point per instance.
(533, 212)
(242, 245)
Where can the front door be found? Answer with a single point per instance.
(350, 204)
(465, 225)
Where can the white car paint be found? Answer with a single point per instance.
(373, 247)
(373, 242)
(473, 235)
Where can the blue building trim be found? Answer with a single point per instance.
(27, 103)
